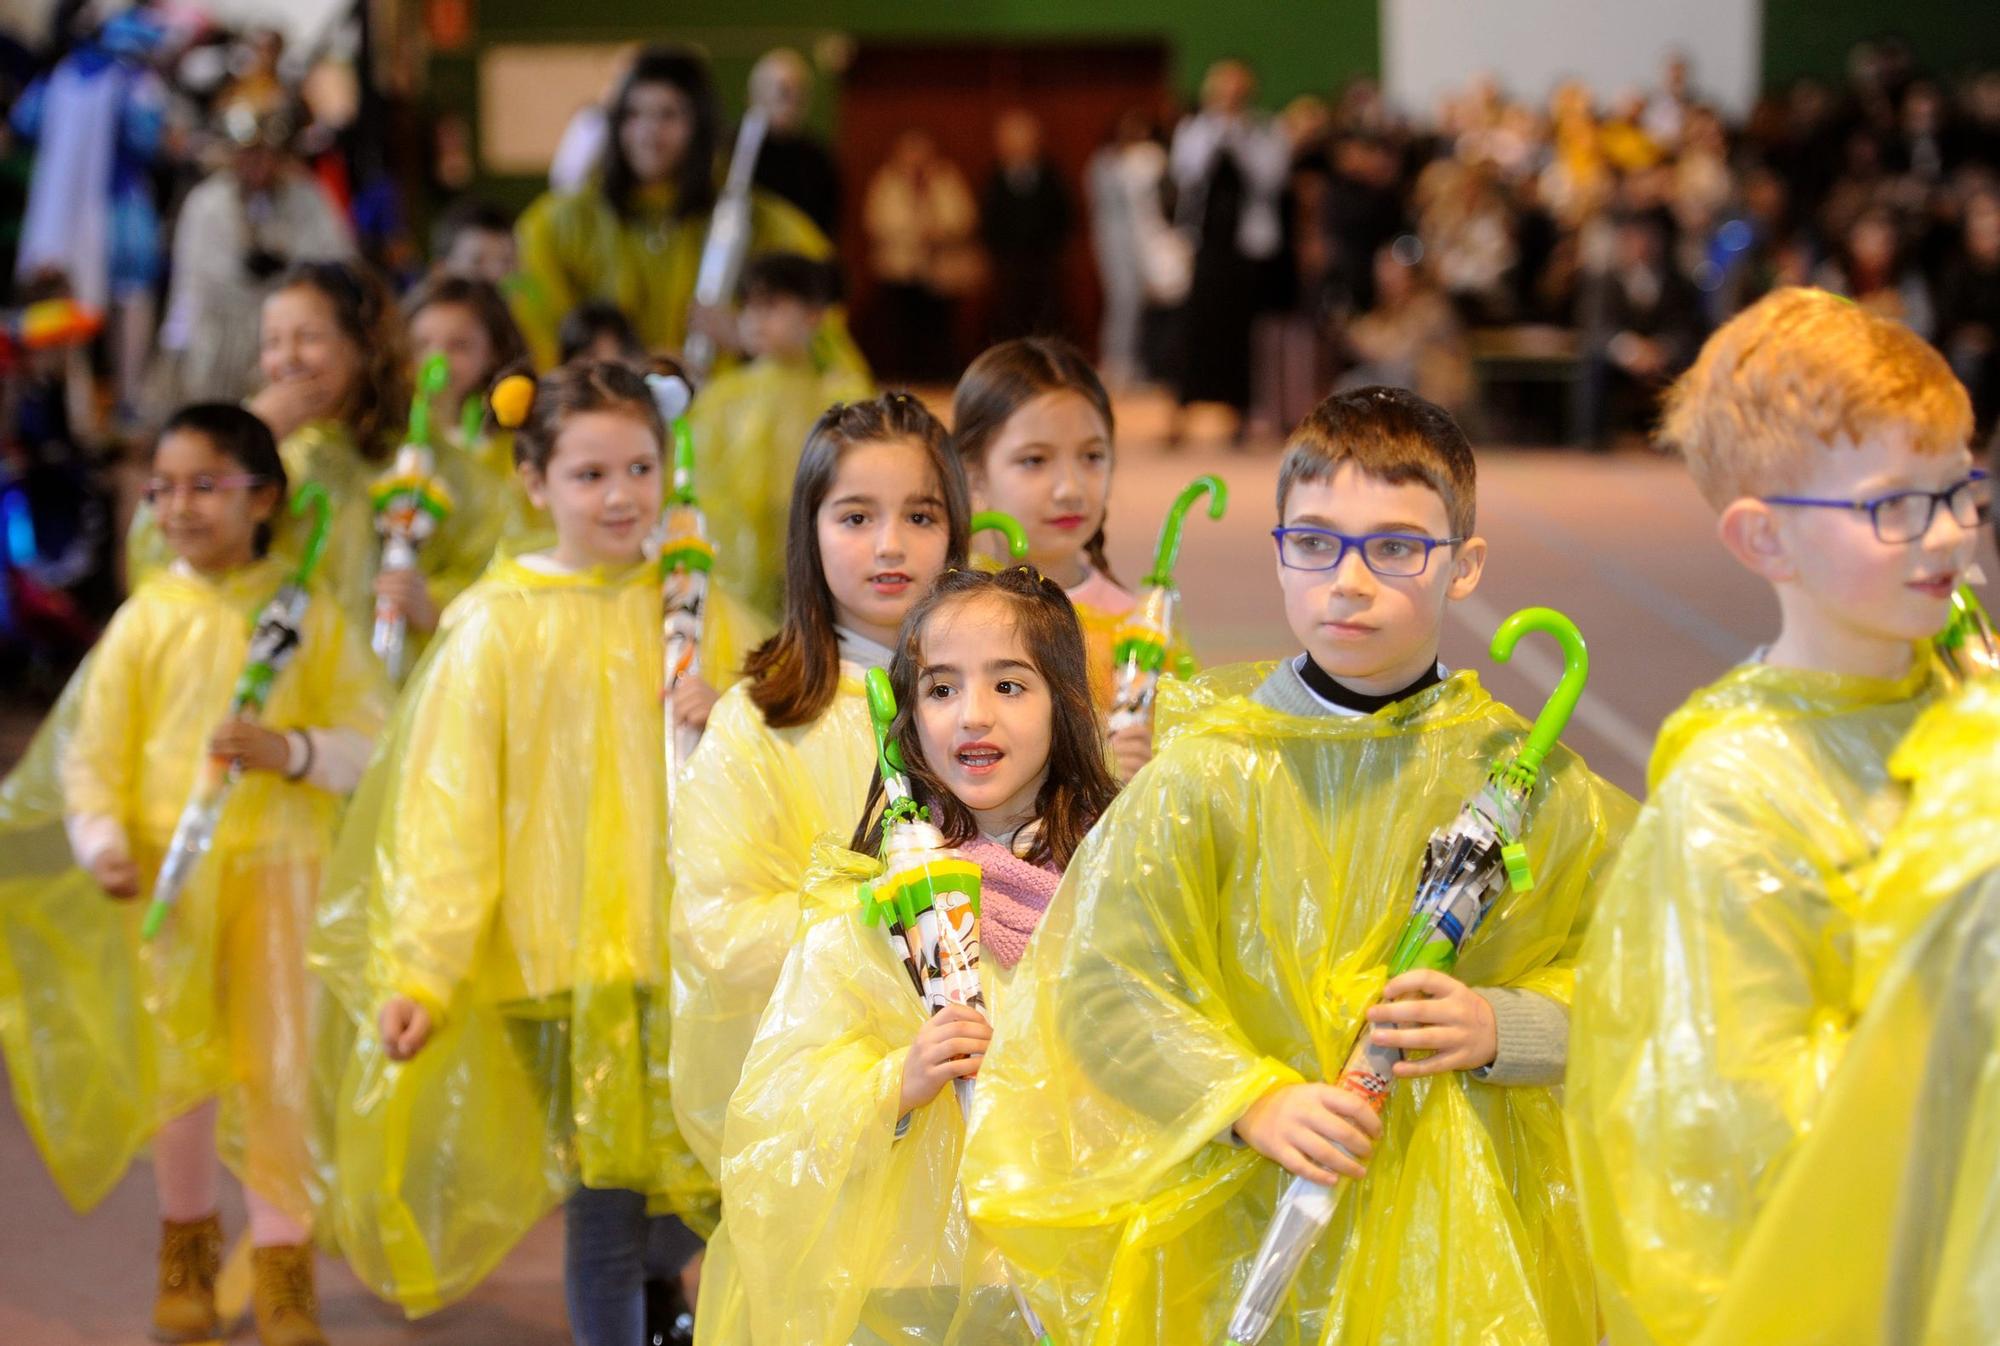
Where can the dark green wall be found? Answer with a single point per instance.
(1812, 37)
(1297, 45)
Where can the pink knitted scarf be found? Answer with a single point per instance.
(1013, 894)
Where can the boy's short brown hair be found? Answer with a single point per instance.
(1389, 433)
(1801, 370)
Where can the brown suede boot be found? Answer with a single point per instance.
(282, 1296)
(190, 1257)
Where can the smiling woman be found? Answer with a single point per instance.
(634, 234)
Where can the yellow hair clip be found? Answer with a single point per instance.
(512, 398)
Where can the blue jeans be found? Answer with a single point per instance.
(611, 1248)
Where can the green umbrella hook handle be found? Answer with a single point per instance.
(995, 521)
(312, 496)
(1549, 725)
(1169, 550)
(432, 376)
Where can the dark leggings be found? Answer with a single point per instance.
(611, 1248)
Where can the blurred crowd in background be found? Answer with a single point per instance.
(1542, 266)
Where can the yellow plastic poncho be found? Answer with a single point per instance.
(1715, 990)
(325, 452)
(504, 865)
(755, 801)
(842, 1230)
(106, 1039)
(1219, 935)
(1884, 1229)
(574, 248)
(749, 425)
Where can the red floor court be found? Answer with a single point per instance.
(1622, 543)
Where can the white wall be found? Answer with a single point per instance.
(1431, 47)
(300, 20)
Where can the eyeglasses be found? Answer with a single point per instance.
(162, 488)
(1390, 555)
(1906, 516)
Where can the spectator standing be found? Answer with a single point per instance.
(1026, 220)
(795, 164)
(921, 224)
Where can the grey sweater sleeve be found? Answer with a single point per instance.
(1533, 1037)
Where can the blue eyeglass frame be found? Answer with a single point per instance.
(1938, 499)
(1354, 542)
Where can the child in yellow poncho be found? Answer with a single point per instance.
(750, 421)
(1715, 993)
(878, 510)
(1032, 427)
(468, 323)
(110, 1044)
(840, 1160)
(1164, 1064)
(498, 908)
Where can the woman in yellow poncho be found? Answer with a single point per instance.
(1219, 936)
(634, 235)
(840, 1166)
(108, 1043)
(335, 373)
(878, 510)
(497, 910)
(1032, 427)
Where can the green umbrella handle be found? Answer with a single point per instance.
(312, 496)
(683, 463)
(992, 520)
(472, 419)
(1169, 551)
(882, 714)
(1549, 725)
(432, 376)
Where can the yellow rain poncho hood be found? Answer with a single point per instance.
(483, 507)
(1219, 935)
(837, 1229)
(1884, 1229)
(504, 865)
(105, 1039)
(749, 425)
(1715, 990)
(754, 801)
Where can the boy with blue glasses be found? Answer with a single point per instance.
(1715, 991)
(1169, 1057)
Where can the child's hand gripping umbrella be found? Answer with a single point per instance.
(1139, 646)
(928, 896)
(410, 502)
(686, 558)
(1466, 864)
(273, 641)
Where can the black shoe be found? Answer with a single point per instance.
(669, 1320)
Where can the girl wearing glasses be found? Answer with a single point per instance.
(126, 1049)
